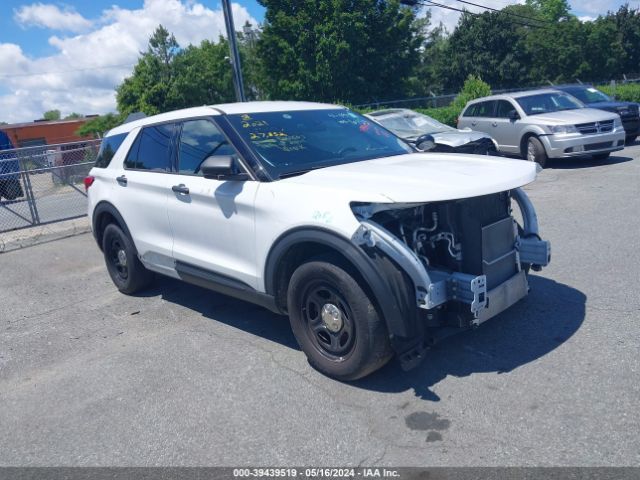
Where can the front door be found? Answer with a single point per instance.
(504, 128)
(212, 220)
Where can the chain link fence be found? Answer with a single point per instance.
(44, 184)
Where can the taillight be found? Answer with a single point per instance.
(88, 181)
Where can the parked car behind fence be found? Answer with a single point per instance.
(10, 187)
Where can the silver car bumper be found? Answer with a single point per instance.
(577, 145)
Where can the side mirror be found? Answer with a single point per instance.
(221, 167)
(513, 115)
(425, 143)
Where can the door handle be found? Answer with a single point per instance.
(182, 188)
(495, 124)
(122, 180)
(473, 124)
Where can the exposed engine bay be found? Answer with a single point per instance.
(466, 257)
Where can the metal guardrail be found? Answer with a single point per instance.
(44, 184)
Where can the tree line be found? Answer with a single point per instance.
(359, 51)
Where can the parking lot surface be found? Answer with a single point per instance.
(183, 376)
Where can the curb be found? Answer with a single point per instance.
(29, 237)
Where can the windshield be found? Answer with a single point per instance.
(548, 102)
(411, 124)
(294, 142)
(588, 95)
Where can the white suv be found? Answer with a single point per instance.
(314, 211)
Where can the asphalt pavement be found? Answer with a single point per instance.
(182, 376)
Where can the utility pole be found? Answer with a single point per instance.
(235, 55)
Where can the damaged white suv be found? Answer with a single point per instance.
(316, 212)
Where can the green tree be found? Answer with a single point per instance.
(73, 116)
(98, 126)
(551, 10)
(337, 50)
(51, 115)
(202, 76)
(490, 45)
(147, 89)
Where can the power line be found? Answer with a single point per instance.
(448, 7)
(512, 14)
(65, 71)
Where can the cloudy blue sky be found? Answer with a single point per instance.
(70, 55)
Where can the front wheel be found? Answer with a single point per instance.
(601, 156)
(335, 322)
(536, 152)
(125, 269)
(630, 139)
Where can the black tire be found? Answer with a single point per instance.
(121, 257)
(355, 344)
(11, 189)
(630, 139)
(535, 152)
(601, 156)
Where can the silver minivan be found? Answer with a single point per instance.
(543, 124)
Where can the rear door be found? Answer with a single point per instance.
(504, 129)
(212, 220)
(479, 116)
(142, 188)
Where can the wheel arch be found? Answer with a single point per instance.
(535, 132)
(297, 246)
(105, 213)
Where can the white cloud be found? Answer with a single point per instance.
(50, 16)
(83, 73)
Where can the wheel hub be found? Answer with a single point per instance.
(122, 258)
(331, 317)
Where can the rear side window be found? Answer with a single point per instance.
(108, 149)
(152, 149)
(484, 109)
(471, 111)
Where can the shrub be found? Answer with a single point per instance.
(447, 115)
(626, 92)
(474, 87)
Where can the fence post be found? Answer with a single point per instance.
(31, 201)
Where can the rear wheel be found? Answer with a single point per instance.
(335, 322)
(536, 152)
(125, 269)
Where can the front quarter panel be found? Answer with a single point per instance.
(282, 207)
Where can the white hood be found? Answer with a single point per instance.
(422, 177)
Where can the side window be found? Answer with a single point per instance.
(471, 111)
(200, 139)
(485, 109)
(108, 149)
(152, 149)
(503, 108)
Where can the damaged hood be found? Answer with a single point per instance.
(457, 138)
(421, 177)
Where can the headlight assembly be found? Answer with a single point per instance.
(561, 129)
